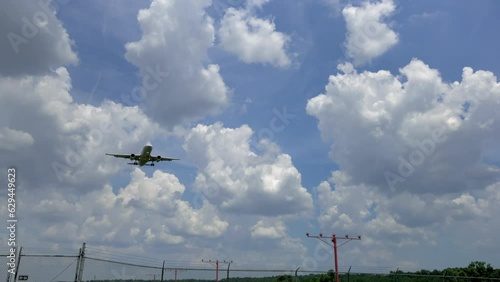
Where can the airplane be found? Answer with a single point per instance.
(143, 158)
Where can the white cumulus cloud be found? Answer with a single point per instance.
(368, 36)
(177, 84)
(68, 138)
(407, 132)
(411, 153)
(253, 39)
(395, 223)
(238, 179)
(11, 139)
(147, 211)
(34, 40)
(271, 230)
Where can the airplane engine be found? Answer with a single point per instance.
(132, 156)
(158, 158)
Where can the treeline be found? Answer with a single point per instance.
(474, 269)
(470, 273)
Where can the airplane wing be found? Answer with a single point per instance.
(130, 157)
(159, 158)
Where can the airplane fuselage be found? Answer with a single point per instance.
(143, 158)
(145, 155)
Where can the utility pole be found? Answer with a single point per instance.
(217, 266)
(334, 239)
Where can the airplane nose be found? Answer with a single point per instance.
(148, 144)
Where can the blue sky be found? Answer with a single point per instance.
(289, 117)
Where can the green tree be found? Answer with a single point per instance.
(328, 277)
(479, 269)
(285, 278)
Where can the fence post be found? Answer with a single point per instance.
(162, 270)
(82, 261)
(77, 264)
(18, 262)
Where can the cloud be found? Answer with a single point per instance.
(408, 132)
(272, 230)
(394, 223)
(404, 177)
(68, 139)
(147, 211)
(177, 86)
(252, 39)
(362, 210)
(58, 146)
(11, 139)
(34, 39)
(161, 194)
(367, 35)
(235, 178)
(68, 183)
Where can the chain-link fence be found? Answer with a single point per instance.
(47, 266)
(73, 266)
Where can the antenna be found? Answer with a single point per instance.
(334, 239)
